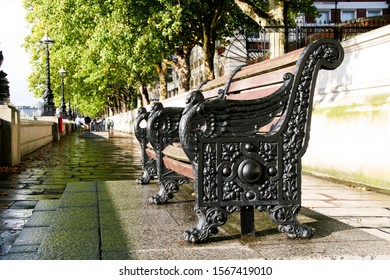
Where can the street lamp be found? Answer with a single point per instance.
(4, 88)
(69, 111)
(62, 73)
(48, 106)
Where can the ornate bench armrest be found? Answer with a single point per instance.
(163, 126)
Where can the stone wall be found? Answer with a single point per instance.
(34, 134)
(19, 137)
(10, 136)
(124, 122)
(350, 131)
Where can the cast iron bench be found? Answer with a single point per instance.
(242, 144)
(148, 162)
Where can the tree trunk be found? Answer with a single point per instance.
(257, 15)
(208, 53)
(162, 70)
(277, 38)
(275, 13)
(143, 97)
(184, 70)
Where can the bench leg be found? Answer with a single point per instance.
(247, 220)
(209, 219)
(168, 188)
(285, 216)
(149, 172)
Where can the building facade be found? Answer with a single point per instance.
(341, 11)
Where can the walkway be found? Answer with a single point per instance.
(103, 214)
(43, 175)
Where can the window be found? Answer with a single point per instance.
(324, 17)
(374, 13)
(347, 15)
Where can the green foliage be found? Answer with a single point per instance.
(94, 42)
(111, 48)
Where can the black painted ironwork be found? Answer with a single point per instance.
(169, 181)
(63, 112)
(236, 167)
(70, 112)
(163, 130)
(4, 84)
(148, 164)
(48, 97)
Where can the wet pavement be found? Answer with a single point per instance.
(77, 199)
(43, 175)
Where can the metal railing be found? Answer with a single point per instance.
(289, 38)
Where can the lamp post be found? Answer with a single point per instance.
(69, 111)
(63, 113)
(48, 106)
(4, 88)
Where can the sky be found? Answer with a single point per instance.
(13, 29)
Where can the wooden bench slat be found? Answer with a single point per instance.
(151, 153)
(264, 80)
(251, 70)
(269, 65)
(176, 152)
(254, 93)
(181, 168)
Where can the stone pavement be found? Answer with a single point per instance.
(111, 219)
(43, 175)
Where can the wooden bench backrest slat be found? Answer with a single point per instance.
(255, 93)
(269, 65)
(265, 80)
(256, 80)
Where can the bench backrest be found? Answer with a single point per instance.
(255, 80)
(292, 102)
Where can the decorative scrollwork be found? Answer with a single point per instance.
(209, 221)
(285, 216)
(231, 209)
(163, 126)
(231, 191)
(296, 231)
(209, 174)
(149, 172)
(167, 189)
(268, 151)
(231, 151)
(295, 137)
(268, 190)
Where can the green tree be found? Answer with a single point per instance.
(93, 42)
(113, 49)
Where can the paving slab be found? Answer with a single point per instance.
(99, 218)
(353, 211)
(367, 222)
(47, 205)
(70, 245)
(41, 219)
(120, 224)
(368, 203)
(32, 236)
